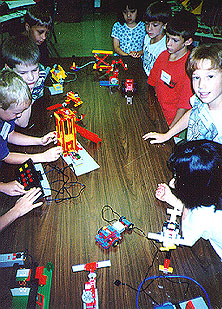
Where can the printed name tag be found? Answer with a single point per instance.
(5, 130)
(165, 77)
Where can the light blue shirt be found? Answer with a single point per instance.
(130, 39)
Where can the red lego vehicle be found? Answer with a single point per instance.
(111, 235)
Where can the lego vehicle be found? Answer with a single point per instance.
(90, 293)
(128, 90)
(111, 235)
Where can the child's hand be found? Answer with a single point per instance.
(164, 194)
(156, 138)
(51, 154)
(12, 188)
(26, 203)
(135, 54)
(49, 138)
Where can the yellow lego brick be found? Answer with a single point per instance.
(105, 52)
(162, 268)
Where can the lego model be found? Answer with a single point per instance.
(70, 97)
(74, 97)
(113, 80)
(59, 75)
(30, 287)
(194, 304)
(169, 237)
(90, 293)
(29, 177)
(66, 128)
(128, 90)
(9, 259)
(111, 235)
(101, 64)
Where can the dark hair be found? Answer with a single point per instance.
(197, 167)
(20, 49)
(212, 52)
(38, 15)
(183, 24)
(158, 11)
(132, 4)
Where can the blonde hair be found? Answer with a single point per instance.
(13, 89)
(212, 52)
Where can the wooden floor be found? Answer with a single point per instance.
(130, 169)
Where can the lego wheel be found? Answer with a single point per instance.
(115, 243)
(102, 228)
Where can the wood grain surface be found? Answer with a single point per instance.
(130, 169)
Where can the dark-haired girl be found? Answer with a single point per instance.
(197, 189)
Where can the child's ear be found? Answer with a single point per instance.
(6, 66)
(188, 42)
(27, 27)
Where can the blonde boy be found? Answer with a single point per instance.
(15, 98)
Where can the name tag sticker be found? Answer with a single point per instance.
(165, 77)
(5, 130)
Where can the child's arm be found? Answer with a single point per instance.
(117, 49)
(24, 119)
(12, 188)
(177, 128)
(49, 155)
(22, 207)
(26, 140)
(179, 114)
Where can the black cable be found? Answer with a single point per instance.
(66, 184)
(118, 283)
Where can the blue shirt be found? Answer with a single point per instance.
(201, 124)
(5, 129)
(130, 39)
(37, 91)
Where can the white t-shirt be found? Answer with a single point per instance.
(204, 222)
(151, 52)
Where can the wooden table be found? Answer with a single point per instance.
(130, 169)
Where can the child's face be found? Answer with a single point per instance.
(29, 73)
(175, 43)
(207, 83)
(130, 16)
(14, 111)
(154, 28)
(38, 33)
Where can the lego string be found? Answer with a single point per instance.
(168, 278)
(65, 185)
(84, 65)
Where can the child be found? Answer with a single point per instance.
(15, 97)
(197, 185)
(168, 75)
(21, 54)
(24, 205)
(128, 34)
(204, 120)
(156, 17)
(37, 25)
